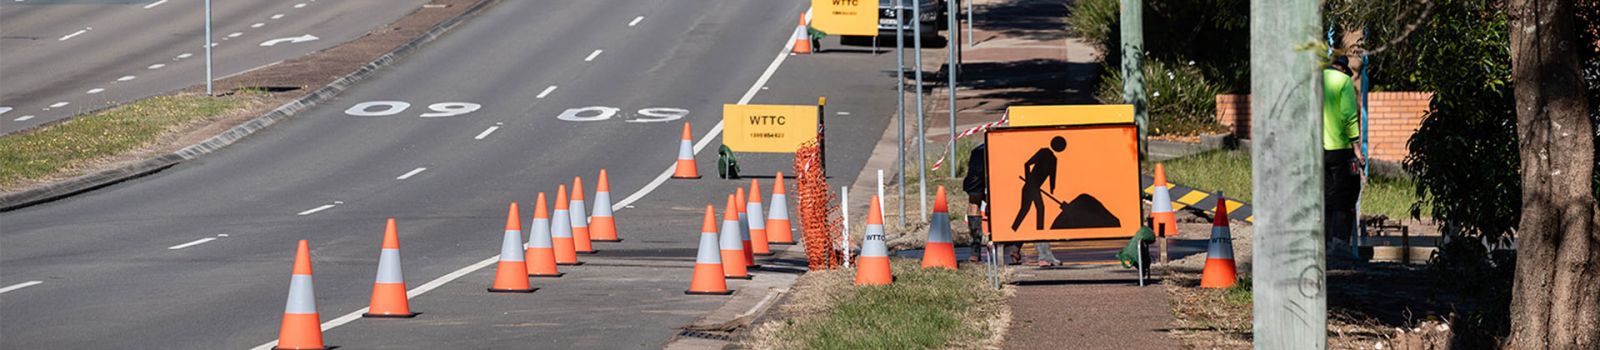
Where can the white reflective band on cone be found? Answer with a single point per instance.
(302, 299)
(511, 248)
(389, 267)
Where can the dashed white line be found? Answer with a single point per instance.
(192, 243)
(77, 33)
(257, 25)
(411, 173)
(277, 16)
(546, 91)
(844, 113)
(3, 110)
(154, 4)
(156, 66)
(592, 55)
(60, 104)
(127, 78)
(185, 55)
(235, 34)
(315, 210)
(300, 5)
(22, 118)
(635, 21)
(32, 283)
(486, 133)
(94, 91)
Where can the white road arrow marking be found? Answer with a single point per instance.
(291, 40)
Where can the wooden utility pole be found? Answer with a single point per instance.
(1291, 306)
(1133, 68)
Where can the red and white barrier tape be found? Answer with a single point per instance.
(1003, 119)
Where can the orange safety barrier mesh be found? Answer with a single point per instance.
(819, 219)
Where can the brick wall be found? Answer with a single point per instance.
(1393, 117)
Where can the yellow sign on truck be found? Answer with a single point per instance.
(845, 17)
(768, 128)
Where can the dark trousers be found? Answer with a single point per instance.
(1341, 187)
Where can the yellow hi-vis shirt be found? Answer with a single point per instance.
(1341, 119)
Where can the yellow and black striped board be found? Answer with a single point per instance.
(1185, 197)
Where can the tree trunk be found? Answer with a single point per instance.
(1556, 301)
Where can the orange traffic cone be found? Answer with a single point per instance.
(733, 263)
(758, 221)
(872, 267)
(1161, 205)
(708, 278)
(941, 248)
(580, 219)
(744, 229)
(686, 168)
(511, 276)
(1219, 271)
(389, 290)
(602, 226)
(778, 231)
(302, 328)
(802, 39)
(541, 253)
(561, 231)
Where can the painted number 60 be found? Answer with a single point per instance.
(388, 108)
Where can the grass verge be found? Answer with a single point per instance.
(50, 151)
(923, 309)
(1229, 172)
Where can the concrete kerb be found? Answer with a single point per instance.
(81, 184)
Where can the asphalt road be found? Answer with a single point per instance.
(62, 57)
(121, 266)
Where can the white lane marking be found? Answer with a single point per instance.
(457, 274)
(257, 25)
(32, 283)
(22, 118)
(185, 55)
(235, 34)
(300, 5)
(592, 55)
(277, 16)
(486, 133)
(156, 66)
(3, 110)
(77, 33)
(844, 113)
(60, 104)
(192, 243)
(315, 210)
(127, 78)
(411, 173)
(635, 21)
(291, 40)
(154, 4)
(546, 91)
(94, 91)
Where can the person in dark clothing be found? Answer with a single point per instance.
(1040, 168)
(975, 183)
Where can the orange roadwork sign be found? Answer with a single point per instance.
(845, 17)
(1053, 183)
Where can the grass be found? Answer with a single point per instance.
(923, 309)
(43, 153)
(1229, 172)
(1240, 294)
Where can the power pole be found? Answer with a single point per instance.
(952, 43)
(1291, 305)
(1133, 67)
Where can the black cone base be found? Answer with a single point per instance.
(606, 240)
(691, 292)
(373, 315)
(780, 243)
(685, 177)
(763, 254)
(550, 275)
(589, 252)
(529, 290)
(569, 263)
(745, 277)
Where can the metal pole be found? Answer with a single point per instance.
(951, 15)
(1133, 67)
(1290, 291)
(844, 207)
(900, 98)
(208, 47)
(922, 138)
(969, 24)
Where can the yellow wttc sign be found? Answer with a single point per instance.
(768, 128)
(845, 17)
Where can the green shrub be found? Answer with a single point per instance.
(1182, 101)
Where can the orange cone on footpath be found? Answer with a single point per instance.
(302, 327)
(941, 248)
(744, 229)
(733, 263)
(778, 231)
(872, 267)
(685, 168)
(511, 276)
(708, 271)
(1161, 205)
(389, 290)
(541, 252)
(757, 222)
(561, 231)
(602, 226)
(802, 39)
(1219, 271)
(580, 219)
